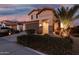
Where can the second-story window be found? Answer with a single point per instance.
(36, 16)
(31, 16)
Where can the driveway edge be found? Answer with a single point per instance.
(40, 53)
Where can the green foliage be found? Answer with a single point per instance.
(66, 14)
(5, 33)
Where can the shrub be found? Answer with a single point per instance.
(22, 40)
(46, 35)
(46, 43)
(4, 33)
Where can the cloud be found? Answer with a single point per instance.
(14, 9)
(17, 11)
(20, 9)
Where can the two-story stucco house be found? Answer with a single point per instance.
(43, 21)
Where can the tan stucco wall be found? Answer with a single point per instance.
(34, 15)
(45, 15)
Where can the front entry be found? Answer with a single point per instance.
(45, 27)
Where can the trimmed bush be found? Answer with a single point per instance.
(4, 33)
(47, 44)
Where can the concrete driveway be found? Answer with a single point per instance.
(8, 46)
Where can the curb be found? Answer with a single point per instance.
(40, 53)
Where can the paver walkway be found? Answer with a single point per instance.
(8, 46)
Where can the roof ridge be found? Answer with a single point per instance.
(40, 9)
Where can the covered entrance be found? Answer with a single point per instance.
(45, 26)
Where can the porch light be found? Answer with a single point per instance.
(40, 25)
(62, 26)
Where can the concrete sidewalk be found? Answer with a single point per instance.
(8, 46)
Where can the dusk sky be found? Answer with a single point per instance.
(19, 12)
(21, 9)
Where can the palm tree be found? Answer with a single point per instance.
(67, 15)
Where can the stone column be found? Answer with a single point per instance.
(50, 26)
(57, 26)
(18, 27)
(24, 27)
(40, 31)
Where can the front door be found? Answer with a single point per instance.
(45, 27)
